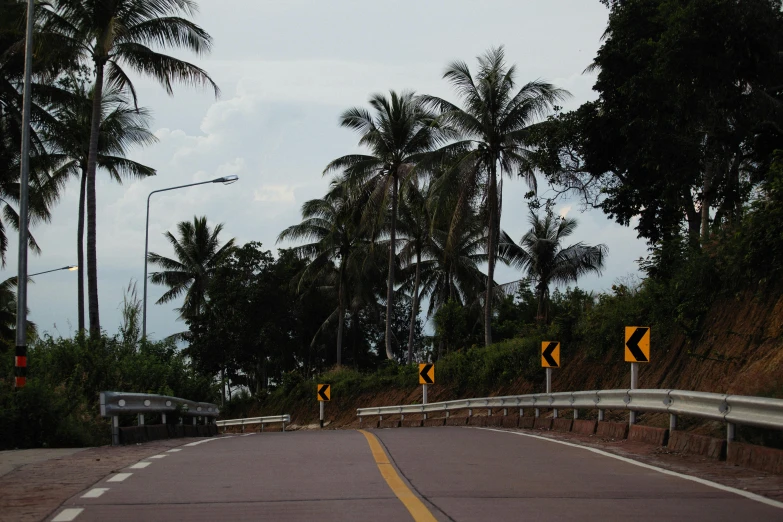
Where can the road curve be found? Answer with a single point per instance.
(461, 474)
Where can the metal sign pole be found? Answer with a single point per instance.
(321, 416)
(549, 380)
(634, 386)
(424, 394)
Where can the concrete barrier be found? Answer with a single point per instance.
(649, 435)
(410, 423)
(584, 427)
(692, 444)
(562, 424)
(510, 421)
(456, 421)
(756, 457)
(495, 421)
(612, 430)
(527, 422)
(428, 423)
(542, 424)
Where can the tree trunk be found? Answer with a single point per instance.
(492, 204)
(92, 163)
(392, 251)
(414, 305)
(222, 386)
(80, 249)
(340, 315)
(541, 316)
(706, 201)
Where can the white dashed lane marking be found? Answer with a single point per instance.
(158, 456)
(95, 492)
(140, 465)
(173, 450)
(66, 515)
(119, 477)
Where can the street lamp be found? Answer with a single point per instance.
(226, 180)
(70, 268)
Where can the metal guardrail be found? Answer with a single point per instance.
(732, 409)
(272, 419)
(114, 404)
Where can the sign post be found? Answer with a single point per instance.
(550, 358)
(637, 350)
(323, 394)
(426, 376)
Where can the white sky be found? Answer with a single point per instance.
(287, 69)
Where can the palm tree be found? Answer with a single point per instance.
(414, 227)
(399, 135)
(8, 313)
(541, 256)
(493, 126)
(117, 36)
(122, 127)
(333, 226)
(198, 253)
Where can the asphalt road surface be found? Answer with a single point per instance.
(422, 474)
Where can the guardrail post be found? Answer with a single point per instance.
(141, 419)
(600, 415)
(489, 412)
(505, 412)
(115, 430)
(447, 415)
(537, 412)
(194, 421)
(554, 413)
(163, 418)
(284, 424)
(576, 414)
(731, 430)
(521, 412)
(672, 422)
(470, 412)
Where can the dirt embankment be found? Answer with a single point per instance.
(740, 352)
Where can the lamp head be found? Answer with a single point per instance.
(72, 268)
(226, 180)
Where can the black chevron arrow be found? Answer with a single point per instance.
(322, 392)
(633, 344)
(548, 354)
(425, 373)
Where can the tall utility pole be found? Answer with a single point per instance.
(20, 360)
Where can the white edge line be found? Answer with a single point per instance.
(746, 494)
(95, 493)
(66, 515)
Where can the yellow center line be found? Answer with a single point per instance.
(412, 503)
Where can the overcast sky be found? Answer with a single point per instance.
(287, 69)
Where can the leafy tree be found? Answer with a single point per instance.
(198, 252)
(541, 255)
(118, 36)
(399, 135)
(493, 127)
(121, 128)
(688, 114)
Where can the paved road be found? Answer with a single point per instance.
(461, 474)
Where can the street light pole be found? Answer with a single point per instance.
(20, 358)
(70, 268)
(226, 180)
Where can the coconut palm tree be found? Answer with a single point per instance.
(122, 127)
(541, 255)
(493, 125)
(415, 235)
(333, 227)
(198, 253)
(120, 36)
(398, 135)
